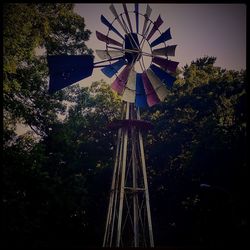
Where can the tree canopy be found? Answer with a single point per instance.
(56, 187)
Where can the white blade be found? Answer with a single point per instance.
(162, 92)
(129, 92)
(131, 80)
(155, 81)
(113, 10)
(148, 11)
(128, 95)
(104, 54)
(157, 84)
(147, 15)
(167, 51)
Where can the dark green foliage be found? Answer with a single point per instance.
(59, 186)
(28, 28)
(200, 138)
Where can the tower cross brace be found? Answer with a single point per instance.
(129, 217)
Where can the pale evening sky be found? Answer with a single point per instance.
(198, 29)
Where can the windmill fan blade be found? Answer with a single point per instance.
(158, 86)
(65, 70)
(104, 54)
(152, 98)
(141, 98)
(119, 84)
(147, 15)
(131, 80)
(166, 78)
(111, 69)
(110, 26)
(114, 12)
(107, 39)
(148, 11)
(162, 92)
(137, 17)
(156, 83)
(129, 92)
(166, 51)
(127, 16)
(165, 63)
(162, 38)
(157, 24)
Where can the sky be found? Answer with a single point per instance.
(198, 29)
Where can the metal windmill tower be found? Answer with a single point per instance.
(129, 217)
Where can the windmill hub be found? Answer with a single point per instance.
(132, 48)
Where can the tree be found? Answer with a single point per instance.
(199, 138)
(33, 191)
(85, 146)
(27, 27)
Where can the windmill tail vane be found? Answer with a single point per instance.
(129, 217)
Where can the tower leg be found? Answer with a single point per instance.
(150, 228)
(124, 159)
(113, 193)
(135, 194)
(129, 218)
(146, 192)
(111, 215)
(116, 190)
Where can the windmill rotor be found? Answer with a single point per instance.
(159, 74)
(124, 54)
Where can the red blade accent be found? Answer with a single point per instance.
(107, 39)
(166, 64)
(152, 98)
(119, 84)
(157, 24)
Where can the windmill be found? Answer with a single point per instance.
(128, 220)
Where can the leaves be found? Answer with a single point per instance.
(27, 27)
(194, 142)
